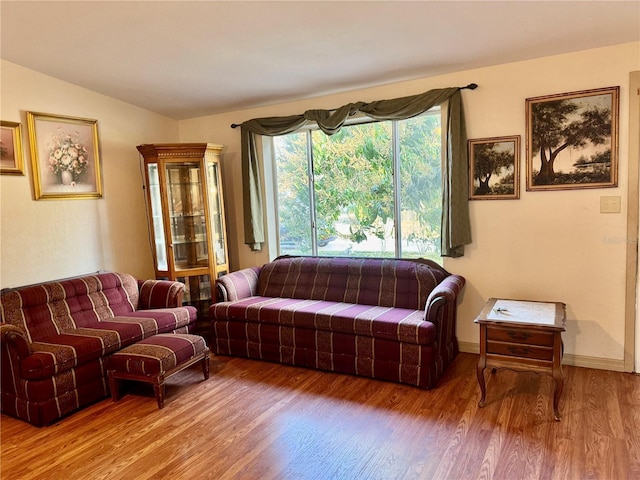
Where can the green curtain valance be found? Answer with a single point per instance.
(455, 231)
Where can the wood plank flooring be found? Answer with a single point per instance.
(258, 420)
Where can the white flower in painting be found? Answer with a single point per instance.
(67, 154)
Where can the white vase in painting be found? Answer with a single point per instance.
(66, 177)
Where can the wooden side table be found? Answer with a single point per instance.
(523, 336)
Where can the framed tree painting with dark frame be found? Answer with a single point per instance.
(494, 168)
(65, 156)
(572, 140)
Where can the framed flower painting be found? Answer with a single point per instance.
(65, 156)
(11, 148)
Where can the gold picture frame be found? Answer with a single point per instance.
(11, 158)
(494, 168)
(572, 140)
(65, 156)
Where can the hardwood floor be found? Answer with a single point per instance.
(258, 420)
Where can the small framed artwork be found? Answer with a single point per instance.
(494, 168)
(65, 156)
(572, 140)
(11, 159)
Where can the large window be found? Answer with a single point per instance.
(372, 190)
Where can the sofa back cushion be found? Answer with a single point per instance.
(383, 282)
(52, 308)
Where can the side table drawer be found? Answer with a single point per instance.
(520, 350)
(516, 335)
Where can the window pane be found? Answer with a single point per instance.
(348, 205)
(354, 191)
(294, 213)
(420, 186)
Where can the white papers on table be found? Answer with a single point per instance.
(525, 312)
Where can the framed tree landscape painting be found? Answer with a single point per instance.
(572, 140)
(65, 156)
(494, 168)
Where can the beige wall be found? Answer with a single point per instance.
(553, 246)
(49, 239)
(545, 246)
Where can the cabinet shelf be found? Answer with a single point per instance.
(187, 215)
(188, 242)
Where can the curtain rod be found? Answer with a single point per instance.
(471, 86)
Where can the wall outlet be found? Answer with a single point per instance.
(610, 204)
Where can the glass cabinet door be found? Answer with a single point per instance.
(216, 213)
(186, 214)
(156, 217)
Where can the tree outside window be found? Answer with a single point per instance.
(358, 191)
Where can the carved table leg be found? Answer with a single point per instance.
(482, 364)
(481, 381)
(559, 381)
(558, 375)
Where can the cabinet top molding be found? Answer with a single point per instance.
(196, 148)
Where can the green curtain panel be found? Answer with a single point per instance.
(456, 229)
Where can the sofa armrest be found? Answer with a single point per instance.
(445, 293)
(237, 285)
(442, 310)
(14, 347)
(160, 294)
(12, 338)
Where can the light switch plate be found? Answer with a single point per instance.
(610, 204)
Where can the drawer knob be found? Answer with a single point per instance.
(519, 350)
(522, 336)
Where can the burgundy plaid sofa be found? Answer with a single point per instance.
(388, 319)
(55, 338)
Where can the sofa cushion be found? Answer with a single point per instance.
(62, 352)
(66, 386)
(384, 282)
(398, 324)
(47, 309)
(166, 319)
(372, 357)
(58, 354)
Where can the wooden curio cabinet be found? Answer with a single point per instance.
(186, 217)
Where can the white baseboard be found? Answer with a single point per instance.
(568, 359)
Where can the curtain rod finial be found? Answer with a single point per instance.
(234, 125)
(472, 86)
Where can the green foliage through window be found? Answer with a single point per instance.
(350, 194)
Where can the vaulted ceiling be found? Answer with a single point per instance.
(186, 59)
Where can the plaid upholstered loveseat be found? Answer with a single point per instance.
(388, 319)
(55, 338)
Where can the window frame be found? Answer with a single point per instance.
(269, 154)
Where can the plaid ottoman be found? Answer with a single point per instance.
(155, 359)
